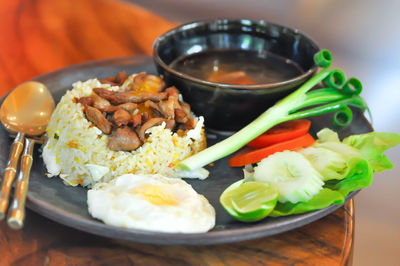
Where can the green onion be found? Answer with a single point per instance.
(337, 95)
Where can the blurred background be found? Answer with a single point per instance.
(364, 37)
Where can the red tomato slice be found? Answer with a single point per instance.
(282, 132)
(257, 155)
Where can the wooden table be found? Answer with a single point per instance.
(43, 35)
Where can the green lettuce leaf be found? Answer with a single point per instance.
(329, 139)
(329, 156)
(333, 192)
(323, 199)
(360, 176)
(372, 145)
(330, 164)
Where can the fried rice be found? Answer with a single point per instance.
(77, 151)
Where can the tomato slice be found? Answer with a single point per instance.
(257, 155)
(282, 132)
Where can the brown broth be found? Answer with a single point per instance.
(237, 67)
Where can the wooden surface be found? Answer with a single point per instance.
(327, 241)
(43, 35)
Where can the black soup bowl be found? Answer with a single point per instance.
(229, 107)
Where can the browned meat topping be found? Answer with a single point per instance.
(137, 120)
(167, 108)
(110, 109)
(99, 102)
(181, 109)
(127, 115)
(150, 123)
(130, 96)
(172, 91)
(104, 93)
(98, 119)
(124, 139)
(117, 80)
(156, 111)
(129, 107)
(122, 117)
(145, 117)
(181, 116)
(170, 123)
(137, 97)
(86, 101)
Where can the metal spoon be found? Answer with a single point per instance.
(25, 111)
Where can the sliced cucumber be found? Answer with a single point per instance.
(291, 174)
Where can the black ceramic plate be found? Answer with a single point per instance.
(67, 205)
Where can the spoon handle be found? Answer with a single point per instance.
(9, 174)
(17, 210)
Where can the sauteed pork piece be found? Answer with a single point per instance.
(167, 108)
(170, 124)
(181, 116)
(99, 102)
(150, 123)
(122, 117)
(129, 96)
(172, 92)
(137, 120)
(118, 80)
(142, 105)
(94, 100)
(137, 97)
(154, 107)
(86, 101)
(98, 119)
(181, 109)
(129, 107)
(124, 139)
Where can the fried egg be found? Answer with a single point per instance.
(151, 202)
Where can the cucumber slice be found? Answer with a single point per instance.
(291, 174)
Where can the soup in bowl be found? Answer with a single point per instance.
(230, 71)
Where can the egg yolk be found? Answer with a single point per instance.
(156, 195)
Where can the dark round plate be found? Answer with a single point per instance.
(67, 205)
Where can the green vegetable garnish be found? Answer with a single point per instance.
(360, 167)
(249, 201)
(350, 168)
(337, 95)
(372, 146)
(291, 174)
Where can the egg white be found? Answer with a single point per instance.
(151, 202)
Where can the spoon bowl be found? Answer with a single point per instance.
(25, 111)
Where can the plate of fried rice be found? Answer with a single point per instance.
(91, 139)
